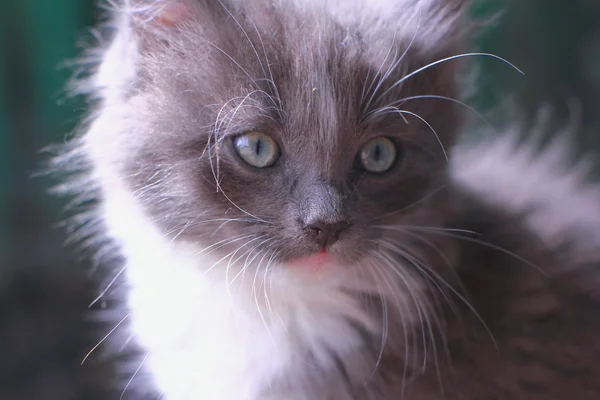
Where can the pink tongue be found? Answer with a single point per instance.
(316, 260)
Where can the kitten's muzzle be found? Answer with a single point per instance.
(326, 234)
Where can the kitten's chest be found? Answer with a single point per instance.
(203, 345)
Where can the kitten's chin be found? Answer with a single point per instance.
(314, 262)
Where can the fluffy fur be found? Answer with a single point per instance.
(440, 285)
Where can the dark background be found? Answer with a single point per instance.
(45, 330)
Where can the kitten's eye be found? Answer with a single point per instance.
(378, 155)
(257, 149)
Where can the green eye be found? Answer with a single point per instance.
(378, 155)
(257, 149)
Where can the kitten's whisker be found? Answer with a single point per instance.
(414, 204)
(418, 307)
(444, 258)
(426, 316)
(400, 312)
(256, 246)
(423, 268)
(183, 229)
(89, 353)
(107, 288)
(247, 262)
(400, 102)
(228, 255)
(440, 229)
(432, 312)
(405, 252)
(443, 60)
(482, 243)
(222, 243)
(126, 342)
(134, 375)
(429, 126)
(232, 261)
(385, 323)
(196, 223)
(265, 275)
(258, 306)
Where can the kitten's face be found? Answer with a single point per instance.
(277, 136)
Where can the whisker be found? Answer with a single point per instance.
(427, 271)
(485, 244)
(404, 329)
(416, 263)
(414, 204)
(443, 60)
(416, 301)
(403, 100)
(134, 375)
(258, 307)
(222, 243)
(107, 288)
(104, 339)
(233, 262)
(429, 126)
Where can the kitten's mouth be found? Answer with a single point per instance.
(315, 261)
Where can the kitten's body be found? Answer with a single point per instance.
(412, 302)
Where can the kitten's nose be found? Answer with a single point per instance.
(326, 234)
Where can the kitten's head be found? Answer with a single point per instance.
(282, 129)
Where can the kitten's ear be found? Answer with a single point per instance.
(156, 21)
(157, 15)
(171, 14)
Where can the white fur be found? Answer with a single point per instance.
(208, 341)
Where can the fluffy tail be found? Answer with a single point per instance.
(544, 184)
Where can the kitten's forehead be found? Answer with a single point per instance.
(431, 24)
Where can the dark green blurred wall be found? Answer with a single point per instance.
(36, 38)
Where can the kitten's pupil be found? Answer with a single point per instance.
(258, 147)
(377, 153)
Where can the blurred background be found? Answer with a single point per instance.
(44, 290)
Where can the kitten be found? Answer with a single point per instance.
(275, 177)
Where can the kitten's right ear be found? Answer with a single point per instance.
(164, 21)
